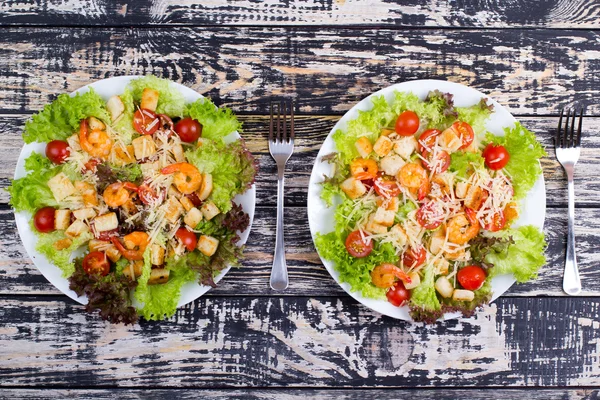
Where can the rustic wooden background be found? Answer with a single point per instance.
(243, 340)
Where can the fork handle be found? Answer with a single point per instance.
(571, 281)
(279, 273)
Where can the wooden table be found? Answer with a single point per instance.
(313, 340)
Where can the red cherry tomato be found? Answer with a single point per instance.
(497, 223)
(356, 246)
(96, 263)
(91, 165)
(471, 277)
(188, 238)
(145, 122)
(429, 216)
(105, 235)
(188, 130)
(398, 295)
(386, 186)
(195, 199)
(427, 140)
(57, 151)
(414, 257)
(464, 132)
(44, 219)
(441, 162)
(149, 195)
(496, 157)
(166, 123)
(407, 123)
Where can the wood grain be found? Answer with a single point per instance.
(412, 13)
(308, 277)
(326, 71)
(319, 342)
(301, 394)
(311, 131)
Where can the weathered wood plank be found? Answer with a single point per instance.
(308, 277)
(300, 394)
(490, 14)
(310, 133)
(319, 342)
(327, 71)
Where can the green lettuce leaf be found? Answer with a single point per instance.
(60, 258)
(232, 166)
(464, 163)
(170, 100)
(476, 116)
(525, 151)
(216, 122)
(524, 257)
(424, 303)
(60, 119)
(124, 125)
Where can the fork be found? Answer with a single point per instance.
(568, 145)
(281, 148)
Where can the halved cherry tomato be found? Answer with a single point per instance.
(145, 122)
(407, 123)
(498, 222)
(386, 185)
(44, 219)
(429, 216)
(148, 195)
(91, 165)
(195, 199)
(427, 140)
(188, 238)
(414, 257)
(441, 163)
(105, 235)
(96, 263)
(471, 277)
(356, 246)
(188, 130)
(398, 295)
(57, 151)
(464, 131)
(496, 157)
(166, 123)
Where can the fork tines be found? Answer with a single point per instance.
(282, 116)
(567, 137)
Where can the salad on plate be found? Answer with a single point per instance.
(132, 198)
(427, 204)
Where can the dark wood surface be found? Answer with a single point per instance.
(242, 340)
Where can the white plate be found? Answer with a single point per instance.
(107, 88)
(321, 218)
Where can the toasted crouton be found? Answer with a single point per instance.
(207, 245)
(209, 210)
(363, 146)
(354, 188)
(193, 217)
(383, 146)
(115, 107)
(149, 99)
(61, 187)
(62, 219)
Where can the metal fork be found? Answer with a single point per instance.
(281, 148)
(568, 145)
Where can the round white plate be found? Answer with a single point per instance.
(320, 217)
(107, 88)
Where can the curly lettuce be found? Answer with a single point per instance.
(60, 119)
(216, 122)
(464, 163)
(46, 245)
(170, 100)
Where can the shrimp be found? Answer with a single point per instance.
(463, 228)
(384, 275)
(116, 194)
(187, 178)
(363, 169)
(135, 245)
(413, 176)
(96, 143)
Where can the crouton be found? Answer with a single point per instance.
(207, 245)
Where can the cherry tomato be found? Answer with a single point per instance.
(91, 165)
(398, 295)
(188, 238)
(471, 277)
(188, 130)
(356, 246)
(57, 151)
(148, 195)
(166, 123)
(497, 223)
(106, 235)
(96, 263)
(145, 122)
(407, 123)
(429, 216)
(496, 157)
(414, 257)
(195, 199)
(464, 132)
(386, 186)
(44, 219)
(427, 140)
(441, 163)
